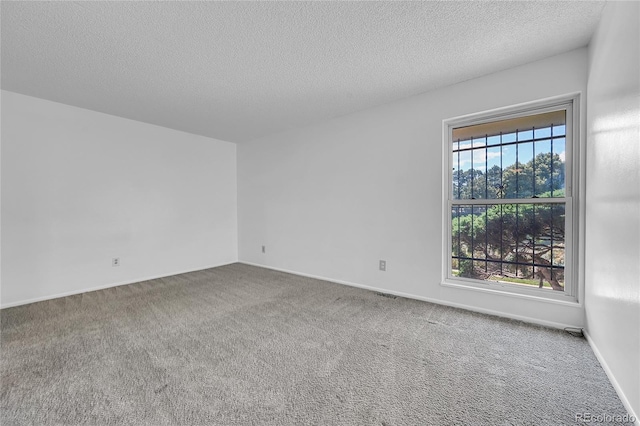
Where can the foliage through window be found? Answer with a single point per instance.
(509, 198)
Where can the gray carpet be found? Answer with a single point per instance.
(240, 345)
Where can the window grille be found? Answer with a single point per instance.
(510, 199)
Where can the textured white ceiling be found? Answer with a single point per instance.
(240, 70)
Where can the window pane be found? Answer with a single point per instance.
(517, 170)
(542, 133)
(525, 135)
(455, 241)
(455, 175)
(512, 243)
(465, 144)
(525, 170)
(493, 140)
(494, 173)
(479, 237)
(556, 221)
(509, 171)
(462, 174)
(557, 166)
(542, 170)
(509, 137)
(479, 176)
(478, 142)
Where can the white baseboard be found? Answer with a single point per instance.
(612, 378)
(102, 287)
(536, 321)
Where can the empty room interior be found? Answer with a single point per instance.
(358, 213)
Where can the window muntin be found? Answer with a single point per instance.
(510, 201)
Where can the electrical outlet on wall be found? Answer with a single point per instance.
(383, 265)
(264, 249)
(115, 261)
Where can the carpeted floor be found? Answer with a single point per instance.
(240, 345)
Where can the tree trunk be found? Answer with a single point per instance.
(546, 274)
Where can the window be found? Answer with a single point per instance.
(509, 201)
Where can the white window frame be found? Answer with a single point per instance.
(571, 200)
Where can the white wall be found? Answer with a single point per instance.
(332, 199)
(613, 198)
(81, 187)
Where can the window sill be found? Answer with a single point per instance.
(513, 290)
